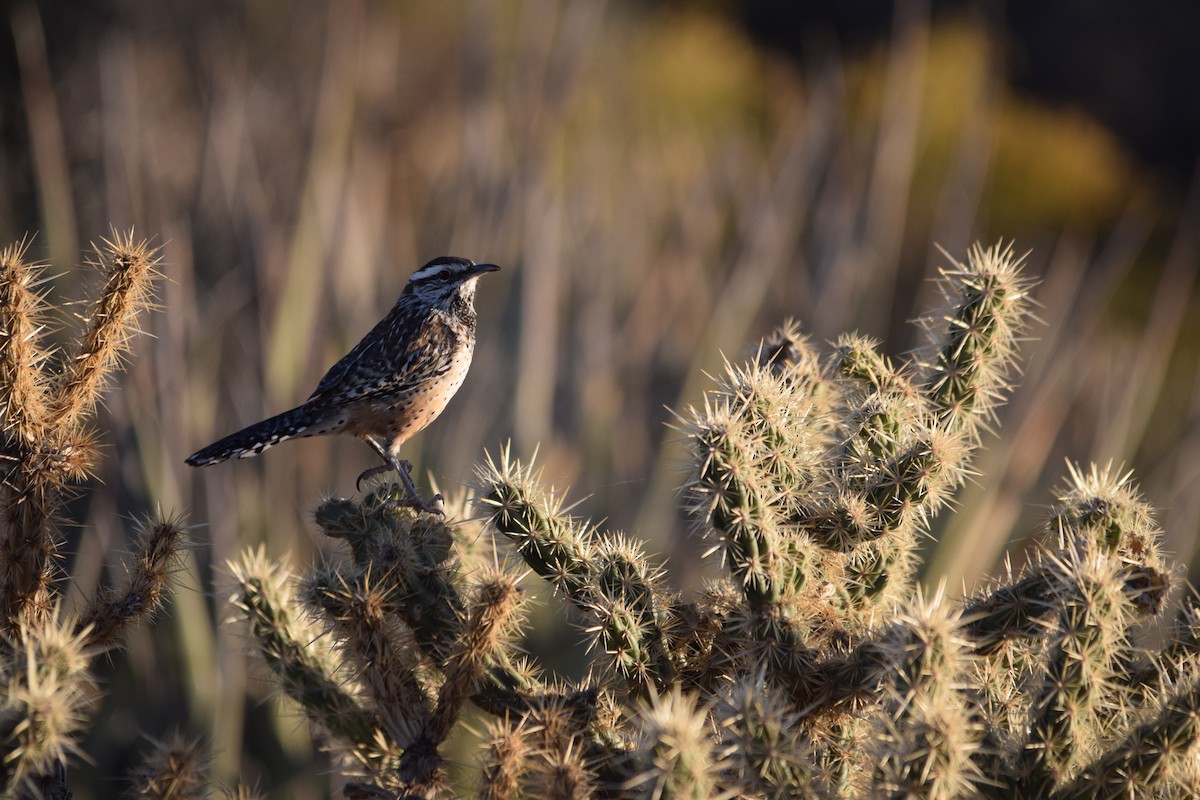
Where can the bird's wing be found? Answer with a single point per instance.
(393, 358)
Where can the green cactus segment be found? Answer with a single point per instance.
(757, 445)
(1097, 573)
(731, 491)
(926, 753)
(339, 518)
(880, 434)
(1094, 614)
(841, 523)
(857, 358)
(877, 528)
(976, 337)
(1097, 512)
(360, 616)
(868, 574)
(909, 485)
(1009, 611)
(304, 672)
(762, 742)
(783, 426)
(608, 578)
(892, 470)
(1100, 511)
(892, 474)
(775, 642)
(854, 457)
(631, 613)
(552, 543)
(405, 588)
(674, 754)
(1157, 756)
(406, 558)
(925, 736)
(491, 620)
(882, 407)
(1101, 505)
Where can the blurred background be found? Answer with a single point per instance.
(663, 182)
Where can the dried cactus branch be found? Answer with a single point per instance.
(155, 557)
(130, 267)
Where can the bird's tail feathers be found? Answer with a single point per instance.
(251, 441)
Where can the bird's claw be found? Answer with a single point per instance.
(431, 506)
(367, 474)
(401, 467)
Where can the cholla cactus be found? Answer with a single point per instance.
(47, 447)
(173, 769)
(416, 637)
(813, 666)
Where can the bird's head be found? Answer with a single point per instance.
(447, 280)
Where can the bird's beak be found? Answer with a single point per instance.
(482, 268)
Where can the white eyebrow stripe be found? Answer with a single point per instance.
(428, 271)
(441, 267)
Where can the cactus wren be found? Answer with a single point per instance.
(392, 384)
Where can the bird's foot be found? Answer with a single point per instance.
(403, 468)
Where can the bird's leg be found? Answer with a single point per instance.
(401, 468)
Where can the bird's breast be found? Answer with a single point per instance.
(401, 416)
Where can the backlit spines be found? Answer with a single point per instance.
(130, 268)
(155, 558)
(553, 544)
(969, 365)
(46, 402)
(1085, 641)
(310, 675)
(174, 769)
(45, 695)
(926, 735)
(24, 384)
(630, 616)
(622, 595)
(1157, 755)
(674, 751)
(763, 750)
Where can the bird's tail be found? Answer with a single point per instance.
(298, 422)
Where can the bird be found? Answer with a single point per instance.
(394, 382)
